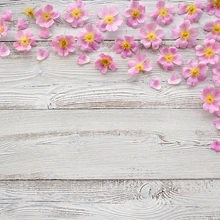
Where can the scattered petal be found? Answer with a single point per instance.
(155, 83)
(42, 54)
(83, 59)
(45, 33)
(22, 24)
(7, 15)
(174, 79)
(216, 146)
(4, 50)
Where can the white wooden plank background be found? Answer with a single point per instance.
(78, 145)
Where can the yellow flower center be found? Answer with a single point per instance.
(126, 45)
(46, 16)
(25, 41)
(63, 43)
(191, 9)
(185, 34)
(140, 67)
(109, 19)
(169, 57)
(1, 28)
(209, 52)
(210, 99)
(195, 72)
(89, 37)
(216, 29)
(163, 12)
(76, 13)
(29, 12)
(151, 36)
(105, 61)
(216, 3)
(135, 13)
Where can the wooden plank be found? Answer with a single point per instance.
(62, 27)
(107, 144)
(59, 83)
(92, 200)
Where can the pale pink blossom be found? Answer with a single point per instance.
(46, 16)
(4, 50)
(213, 7)
(155, 83)
(151, 36)
(216, 146)
(24, 40)
(89, 39)
(42, 54)
(195, 72)
(110, 19)
(105, 63)
(22, 24)
(63, 44)
(217, 123)
(216, 74)
(193, 11)
(213, 27)
(211, 98)
(164, 14)
(83, 59)
(135, 14)
(3, 28)
(174, 79)
(185, 35)
(7, 15)
(140, 64)
(208, 52)
(169, 57)
(45, 33)
(125, 46)
(76, 14)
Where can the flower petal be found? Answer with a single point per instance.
(174, 79)
(4, 50)
(42, 54)
(155, 83)
(83, 59)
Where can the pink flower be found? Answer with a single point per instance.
(208, 52)
(211, 97)
(169, 56)
(140, 64)
(216, 74)
(45, 33)
(89, 39)
(110, 19)
(213, 28)
(83, 59)
(216, 146)
(151, 36)
(193, 11)
(3, 28)
(164, 15)
(42, 54)
(174, 79)
(186, 36)
(75, 14)
(46, 16)
(195, 72)
(22, 24)
(63, 45)
(4, 50)
(105, 62)
(125, 46)
(25, 40)
(217, 123)
(7, 15)
(213, 7)
(135, 14)
(156, 83)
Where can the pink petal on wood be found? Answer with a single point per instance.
(45, 33)
(174, 79)
(4, 50)
(42, 54)
(216, 146)
(155, 83)
(83, 59)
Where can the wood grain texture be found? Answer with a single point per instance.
(108, 200)
(107, 144)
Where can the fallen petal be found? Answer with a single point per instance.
(217, 123)
(4, 50)
(42, 54)
(22, 24)
(7, 15)
(174, 79)
(45, 33)
(83, 59)
(155, 83)
(216, 146)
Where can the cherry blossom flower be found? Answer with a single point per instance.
(217, 123)
(25, 40)
(4, 50)
(135, 14)
(174, 79)
(125, 46)
(211, 98)
(195, 72)
(110, 19)
(105, 63)
(164, 14)
(140, 64)
(208, 52)
(213, 7)
(46, 16)
(216, 146)
(193, 11)
(29, 12)
(186, 36)
(216, 74)
(89, 39)
(169, 56)
(76, 14)
(45, 33)
(22, 24)
(3, 28)
(83, 59)
(156, 83)
(7, 15)
(151, 36)
(213, 28)
(63, 45)
(42, 54)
